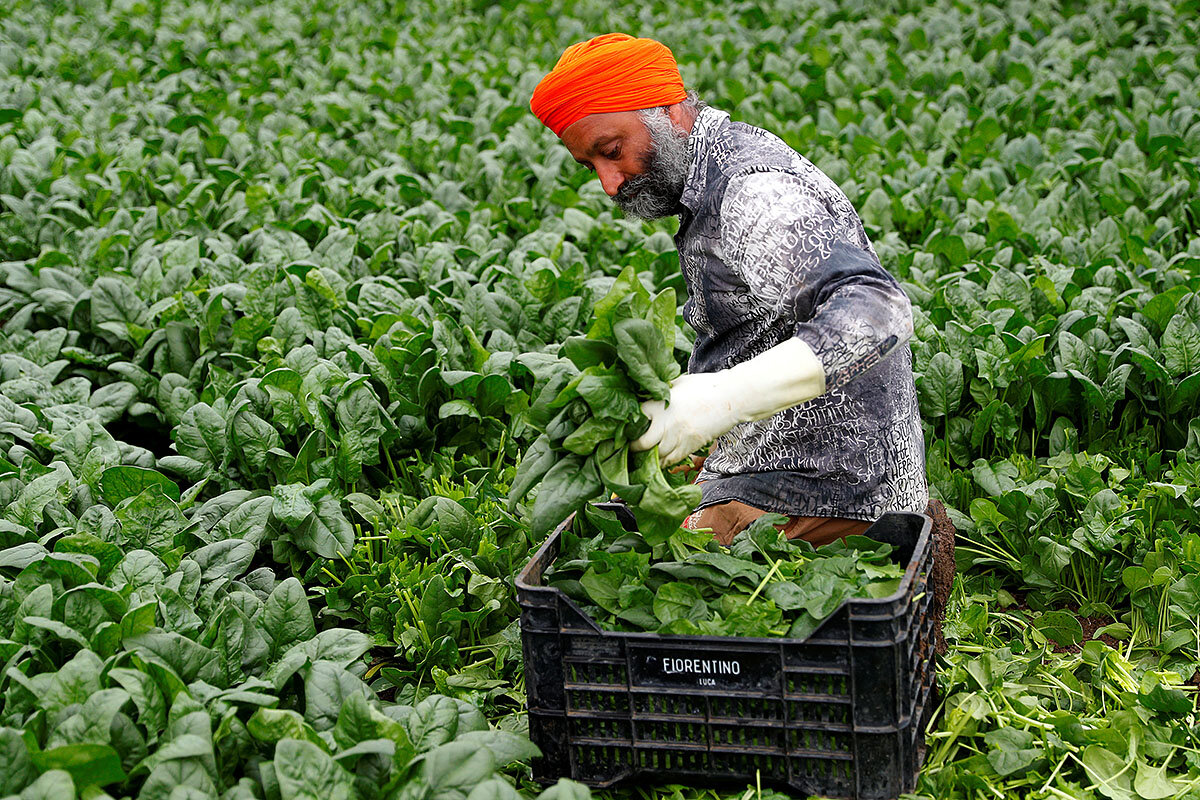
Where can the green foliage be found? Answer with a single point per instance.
(286, 290)
(434, 583)
(763, 585)
(152, 674)
(1104, 721)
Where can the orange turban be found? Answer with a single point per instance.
(613, 72)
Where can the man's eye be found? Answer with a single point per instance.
(612, 155)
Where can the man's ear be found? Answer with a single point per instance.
(683, 117)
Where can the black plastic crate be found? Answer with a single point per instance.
(840, 714)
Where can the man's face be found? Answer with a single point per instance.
(642, 167)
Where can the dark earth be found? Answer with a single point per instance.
(942, 579)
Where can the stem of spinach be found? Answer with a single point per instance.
(412, 607)
(483, 663)
(391, 465)
(774, 567)
(495, 471)
(1046, 785)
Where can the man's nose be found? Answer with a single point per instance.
(610, 178)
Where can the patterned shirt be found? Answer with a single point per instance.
(770, 247)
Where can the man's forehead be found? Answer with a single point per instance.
(584, 136)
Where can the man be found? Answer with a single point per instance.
(801, 375)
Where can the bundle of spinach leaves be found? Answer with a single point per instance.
(587, 405)
(763, 584)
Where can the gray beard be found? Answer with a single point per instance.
(656, 192)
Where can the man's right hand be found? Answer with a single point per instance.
(699, 410)
(702, 406)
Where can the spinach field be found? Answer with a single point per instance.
(279, 283)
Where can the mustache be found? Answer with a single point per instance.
(650, 195)
(633, 187)
(647, 197)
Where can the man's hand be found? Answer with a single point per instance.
(705, 405)
(699, 411)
